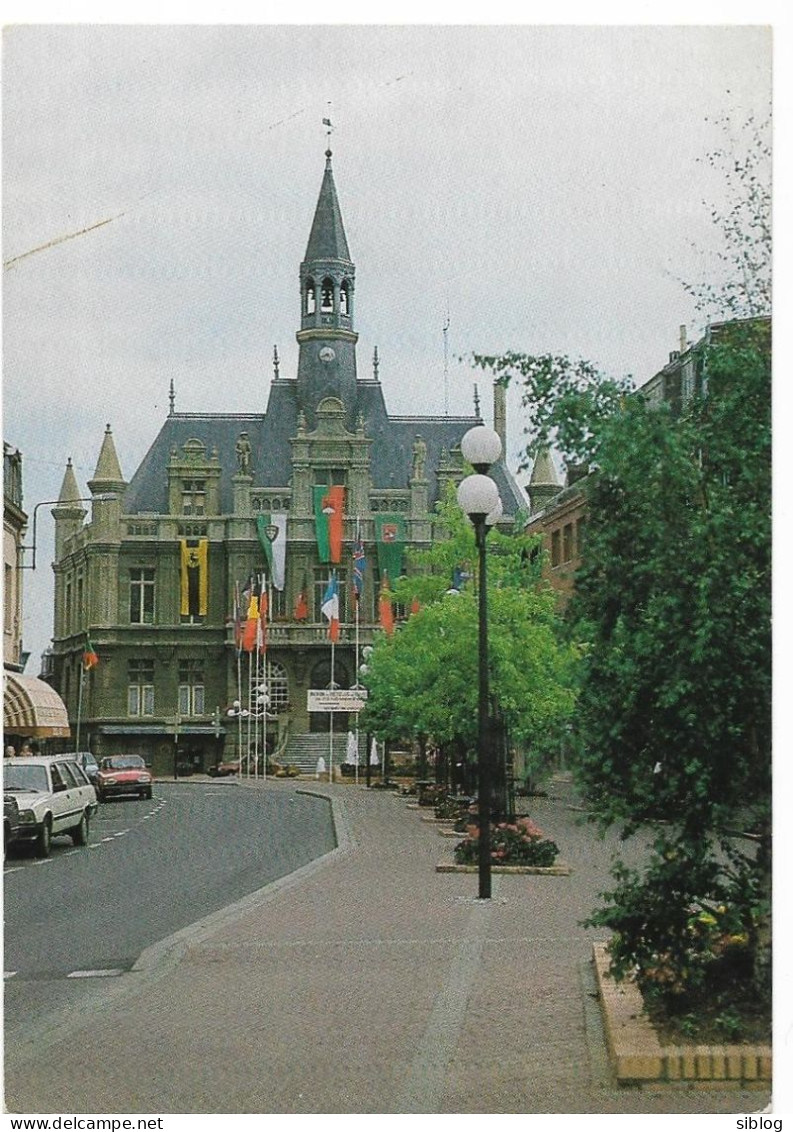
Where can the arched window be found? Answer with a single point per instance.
(311, 297)
(326, 301)
(344, 298)
(277, 687)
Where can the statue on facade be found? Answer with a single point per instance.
(244, 454)
(419, 458)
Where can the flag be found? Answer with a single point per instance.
(330, 607)
(390, 534)
(275, 548)
(301, 605)
(90, 659)
(251, 628)
(329, 521)
(194, 577)
(358, 569)
(386, 608)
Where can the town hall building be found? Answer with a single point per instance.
(189, 609)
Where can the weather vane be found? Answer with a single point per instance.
(328, 124)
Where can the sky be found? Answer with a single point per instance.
(540, 188)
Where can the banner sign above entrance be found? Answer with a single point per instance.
(348, 699)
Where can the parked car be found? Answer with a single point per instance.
(53, 797)
(121, 775)
(224, 769)
(89, 765)
(10, 820)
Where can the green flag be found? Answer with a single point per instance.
(390, 534)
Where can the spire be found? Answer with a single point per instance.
(327, 239)
(70, 492)
(107, 477)
(326, 366)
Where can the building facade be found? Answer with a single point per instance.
(324, 491)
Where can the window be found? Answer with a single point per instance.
(326, 296)
(330, 477)
(141, 596)
(67, 608)
(556, 547)
(81, 618)
(58, 781)
(567, 542)
(140, 690)
(344, 298)
(191, 687)
(311, 297)
(277, 688)
(194, 497)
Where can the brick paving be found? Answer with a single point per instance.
(368, 983)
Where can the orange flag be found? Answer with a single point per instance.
(386, 608)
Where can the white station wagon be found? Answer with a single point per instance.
(54, 796)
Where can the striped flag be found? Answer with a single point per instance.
(358, 569)
(330, 607)
(386, 608)
(90, 659)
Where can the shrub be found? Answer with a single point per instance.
(686, 928)
(511, 843)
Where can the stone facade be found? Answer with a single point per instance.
(211, 486)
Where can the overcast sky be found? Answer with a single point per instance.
(544, 185)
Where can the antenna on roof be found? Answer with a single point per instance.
(446, 363)
(477, 412)
(171, 399)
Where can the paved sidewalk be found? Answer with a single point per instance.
(366, 983)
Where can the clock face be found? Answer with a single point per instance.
(327, 354)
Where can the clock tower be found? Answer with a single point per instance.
(326, 366)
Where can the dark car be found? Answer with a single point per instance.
(88, 763)
(10, 820)
(122, 775)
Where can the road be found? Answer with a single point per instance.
(152, 867)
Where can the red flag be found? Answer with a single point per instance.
(251, 627)
(333, 509)
(90, 659)
(301, 606)
(386, 609)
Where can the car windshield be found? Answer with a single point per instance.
(123, 762)
(25, 778)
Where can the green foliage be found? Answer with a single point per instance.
(511, 843)
(686, 926)
(424, 679)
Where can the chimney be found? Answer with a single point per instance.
(683, 340)
(500, 414)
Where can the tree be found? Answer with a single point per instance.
(423, 680)
(673, 605)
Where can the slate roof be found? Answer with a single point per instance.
(270, 434)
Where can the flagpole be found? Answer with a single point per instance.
(332, 688)
(79, 706)
(357, 648)
(239, 713)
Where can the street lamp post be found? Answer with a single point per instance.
(478, 497)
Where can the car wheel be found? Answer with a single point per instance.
(147, 793)
(80, 832)
(44, 838)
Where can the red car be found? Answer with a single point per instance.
(123, 774)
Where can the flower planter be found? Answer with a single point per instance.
(637, 1055)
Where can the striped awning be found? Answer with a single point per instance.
(33, 708)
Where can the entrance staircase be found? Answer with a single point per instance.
(304, 751)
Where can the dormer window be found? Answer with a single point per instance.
(326, 306)
(311, 297)
(344, 298)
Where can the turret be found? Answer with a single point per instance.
(68, 512)
(327, 365)
(543, 482)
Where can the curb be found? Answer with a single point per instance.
(561, 870)
(638, 1057)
